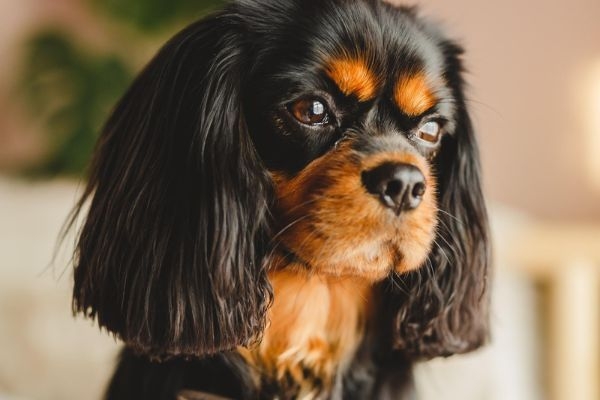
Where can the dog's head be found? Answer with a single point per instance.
(328, 136)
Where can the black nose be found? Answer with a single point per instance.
(399, 186)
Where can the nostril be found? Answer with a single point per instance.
(418, 190)
(398, 186)
(393, 188)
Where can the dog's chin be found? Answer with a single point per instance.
(371, 262)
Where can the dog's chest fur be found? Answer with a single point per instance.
(314, 328)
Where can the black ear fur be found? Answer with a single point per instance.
(169, 256)
(442, 308)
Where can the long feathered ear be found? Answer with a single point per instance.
(169, 256)
(442, 308)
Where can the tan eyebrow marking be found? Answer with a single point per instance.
(413, 95)
(353, 77)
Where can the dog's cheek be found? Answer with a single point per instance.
(325, 214)
(346, 214)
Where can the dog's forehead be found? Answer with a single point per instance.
(390, 49)
(368, 48)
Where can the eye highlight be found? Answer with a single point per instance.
(430, 132)
(310, 111)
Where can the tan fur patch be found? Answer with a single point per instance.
(315, 324)
(329, 220)
(353, 77)
(413, 95)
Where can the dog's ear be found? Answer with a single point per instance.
(169, 255)
(442, 308)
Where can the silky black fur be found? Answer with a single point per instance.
(170, 190)
(171, 256)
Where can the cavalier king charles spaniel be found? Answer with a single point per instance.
(286, 204)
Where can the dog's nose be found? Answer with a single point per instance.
(399, 186)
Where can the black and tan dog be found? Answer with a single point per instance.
(286, 204)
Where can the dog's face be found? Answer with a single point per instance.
(330, 136)
(348, 113)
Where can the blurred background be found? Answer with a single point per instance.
(534, 72)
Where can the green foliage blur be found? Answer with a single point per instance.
(71, 89)
(153, 15)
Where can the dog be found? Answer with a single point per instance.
(286, 204)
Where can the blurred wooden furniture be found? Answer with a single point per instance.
(567, 259)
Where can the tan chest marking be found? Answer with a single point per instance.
(315, 325)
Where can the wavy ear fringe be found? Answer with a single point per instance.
(169, 257)
(442, 308)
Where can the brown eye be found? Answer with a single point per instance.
(310, 111)
(430, 132)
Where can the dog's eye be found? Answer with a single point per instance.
(430, 132)
(310, 111)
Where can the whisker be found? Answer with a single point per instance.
(450, 215)
(441, 249)
(288, 226)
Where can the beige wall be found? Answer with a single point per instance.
(530, 65)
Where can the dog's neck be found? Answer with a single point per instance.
(314, 328)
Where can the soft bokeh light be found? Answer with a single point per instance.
(592, 111)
